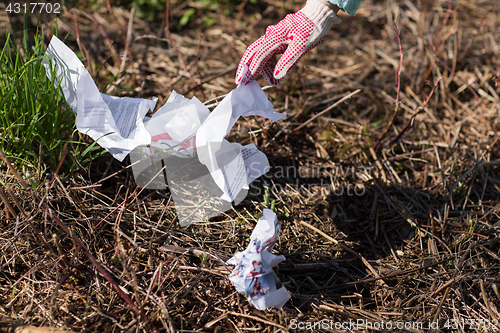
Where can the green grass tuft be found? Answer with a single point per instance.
(36, 125)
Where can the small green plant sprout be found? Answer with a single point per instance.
(204, 259)
(73, 280)
(472, 224)
(116, 259)
(267, 203)
(187, 16)
(29, 177)
(286, 214)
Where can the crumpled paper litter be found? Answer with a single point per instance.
(183, 143)
(116, 123)
(253, 274)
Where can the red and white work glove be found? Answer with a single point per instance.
(293, 36)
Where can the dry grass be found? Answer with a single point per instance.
(393, 217)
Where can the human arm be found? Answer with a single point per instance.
(294, 36)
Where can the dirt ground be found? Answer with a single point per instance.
(389, 202)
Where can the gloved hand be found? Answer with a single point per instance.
(293, 36)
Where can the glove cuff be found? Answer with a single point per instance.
(320, 14)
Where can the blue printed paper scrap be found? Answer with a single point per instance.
(253, 275)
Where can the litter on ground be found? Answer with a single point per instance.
(116, 123)
(253, 274)
(182, 144)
